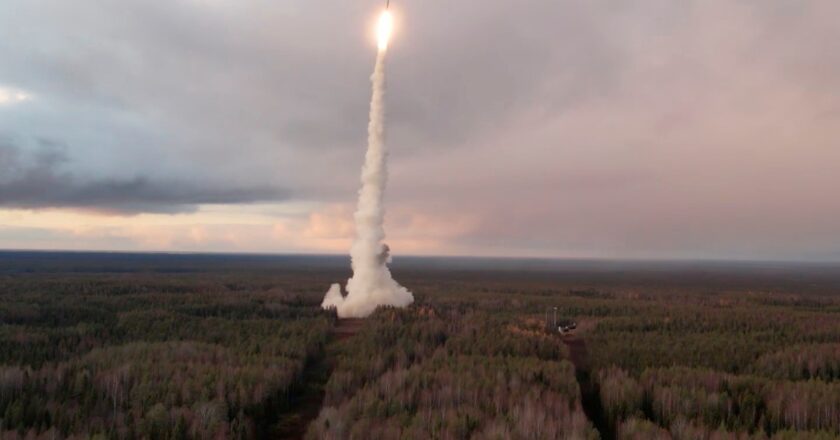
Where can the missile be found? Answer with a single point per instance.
(387, 4)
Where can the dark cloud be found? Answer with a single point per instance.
(38, 181)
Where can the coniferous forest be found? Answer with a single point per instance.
(121, 346)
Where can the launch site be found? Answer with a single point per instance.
(402, 219)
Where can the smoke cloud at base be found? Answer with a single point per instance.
(371, 285)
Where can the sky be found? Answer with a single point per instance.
(585, 129)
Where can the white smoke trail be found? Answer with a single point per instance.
(371, 285)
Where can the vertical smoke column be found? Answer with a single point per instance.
(371, 285)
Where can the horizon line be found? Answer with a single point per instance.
(440, 256)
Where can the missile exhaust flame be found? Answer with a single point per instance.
(384, 29)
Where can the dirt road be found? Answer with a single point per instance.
(306, 399)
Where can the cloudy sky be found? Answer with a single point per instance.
(564, 128)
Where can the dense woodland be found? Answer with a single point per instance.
(183, 347)
(147, 356)
(454, 372)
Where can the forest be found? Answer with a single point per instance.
(194, 347)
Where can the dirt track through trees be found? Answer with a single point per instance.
(589, 392)
(306, 400)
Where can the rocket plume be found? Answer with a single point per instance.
(371, 285)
